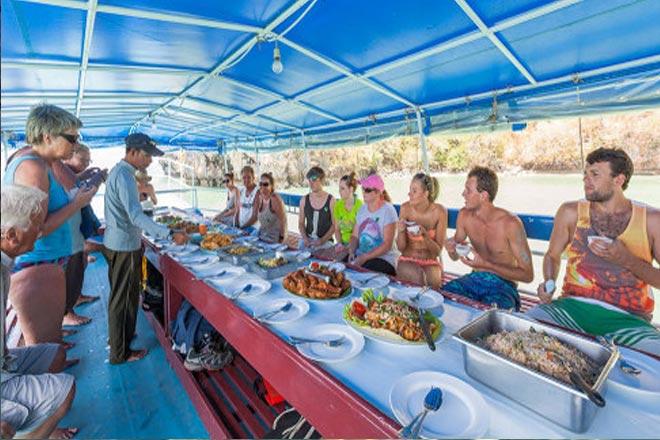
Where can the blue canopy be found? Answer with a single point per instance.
(200, 74)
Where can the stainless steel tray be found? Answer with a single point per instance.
(554, 400)
(224, 255)
(270, 273)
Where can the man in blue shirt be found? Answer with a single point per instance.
(125, 222)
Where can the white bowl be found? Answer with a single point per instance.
(413, 229)
(591, 238)
(463, 249)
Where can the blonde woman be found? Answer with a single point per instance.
(52, 133)
(233, 195)
(146, 191)
(421, 233)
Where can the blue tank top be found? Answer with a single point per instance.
(58, 243)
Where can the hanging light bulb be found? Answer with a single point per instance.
(277, 60)
(153, 122)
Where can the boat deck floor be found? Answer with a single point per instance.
(142, 399)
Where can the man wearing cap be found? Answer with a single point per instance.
(125, 222)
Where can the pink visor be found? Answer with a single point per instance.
(373, 181)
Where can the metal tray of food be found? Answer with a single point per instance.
(551, 398)
(257, 265)
(239, 253)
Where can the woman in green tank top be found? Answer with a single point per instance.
(345, 213)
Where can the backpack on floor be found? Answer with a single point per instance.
(189, 328)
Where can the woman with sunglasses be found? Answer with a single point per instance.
(316, 211)
(372, 240)
(228, 214)
(346, 210)
(272, 218)
(51, 133)
(246, 210)
(421, 233)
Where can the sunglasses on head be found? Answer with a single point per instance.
(369, 190)
(71, 138)
(264, 183)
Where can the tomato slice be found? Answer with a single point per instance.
(359, 308)
(315, 265)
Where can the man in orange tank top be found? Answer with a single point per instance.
(610, 244)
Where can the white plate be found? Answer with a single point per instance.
(463, 414)
(196, 259)
(259, 287)
(179, 250)
(231, 274)
(356, 278)
(208, 269)
(352, 345)
(299, 308)
(428, 300)
(647, 382)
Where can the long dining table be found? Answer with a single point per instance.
(354, 398)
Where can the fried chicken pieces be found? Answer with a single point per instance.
(304, 284)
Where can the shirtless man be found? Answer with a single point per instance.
(501, 255)
(607, 287)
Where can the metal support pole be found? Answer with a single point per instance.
(256, 151)
(581, 146)
(304, 142)
(422, 140)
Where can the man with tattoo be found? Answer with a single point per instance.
(610, 244)
(500, 252)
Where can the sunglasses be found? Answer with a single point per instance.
(313, 177)
(369, 190)
(225, 181)
(71, 138)
(266, 184)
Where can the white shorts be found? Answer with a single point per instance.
(30, 395)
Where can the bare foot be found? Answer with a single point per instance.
(73, 319)
(136, 355)
(68, 345)
(91, 258)
(66, 332)
(84, 299)
(70, 363)
(64, 433)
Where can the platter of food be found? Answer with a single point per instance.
(317, 282)
(463, 414)
(213, 241)
(393, 321)
(271, 265)
(239, 253)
